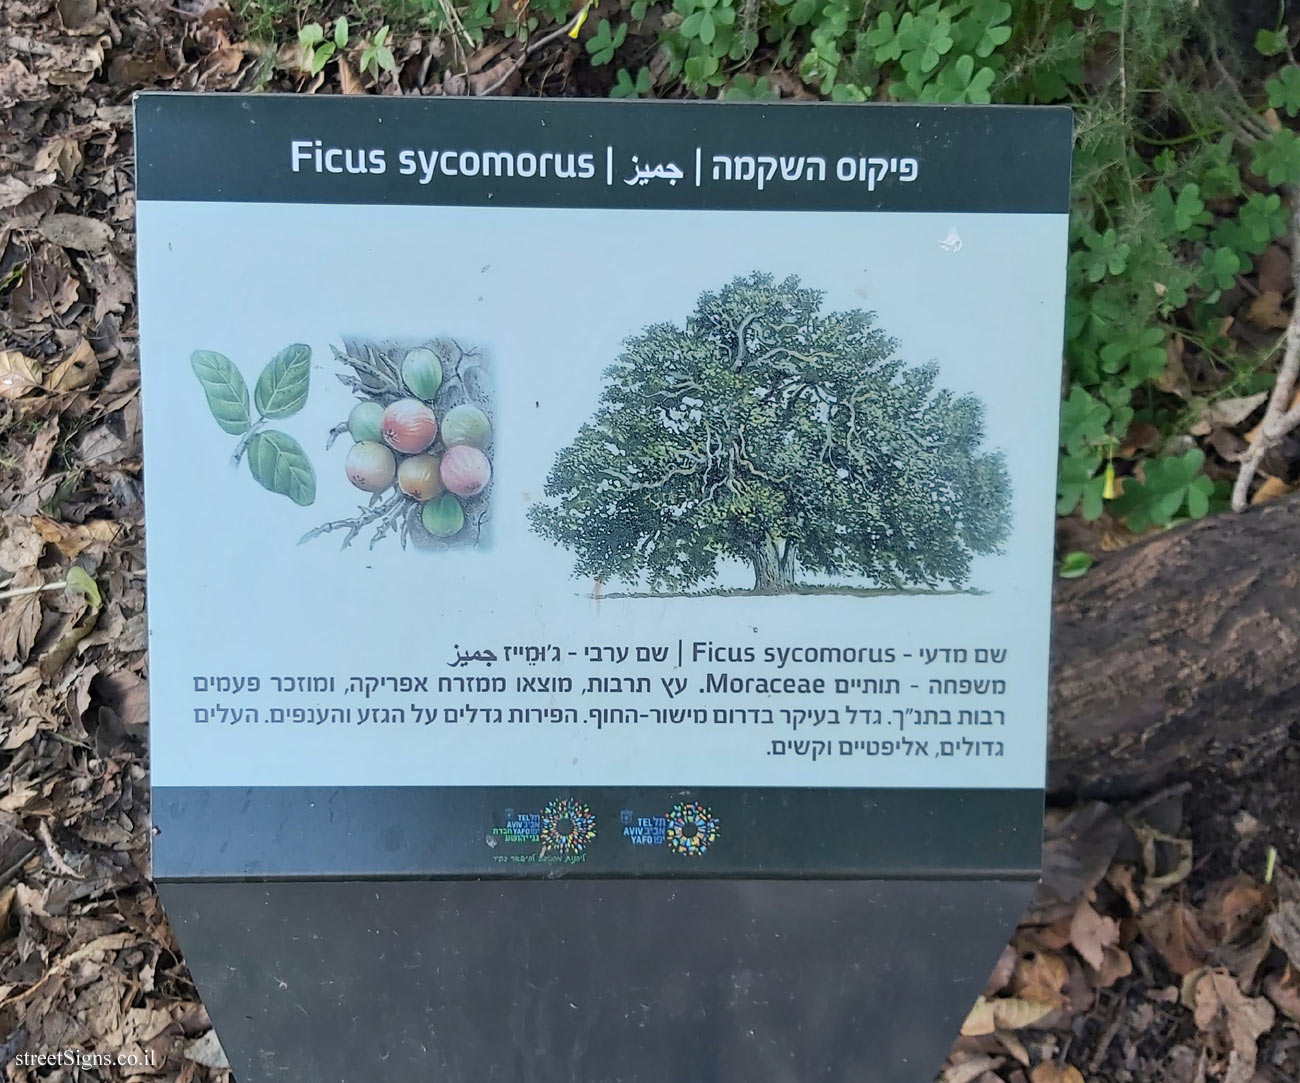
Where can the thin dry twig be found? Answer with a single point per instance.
(1280, 417)
(531, 48)
(18, 592)
(1112, 1028)
(460, 39)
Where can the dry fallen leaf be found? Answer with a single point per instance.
(34, 463)
(1228, 413)
(1273, 266)
(20, 547)
(1230, 446)
(13, 189)
(76, 13)
(20, 617)
(1055, 1073)
(94, 950)
(225, 60)
(1077, 850)
(127, 694)
(1218, 1005)
(74, 63)
(1244, 956)
(1091, 934)
(349, 81)
(1270, 489)
(71, 540)
(967, 1067)
(1284, 991)
(1013, 1045)
(1284, 926)
(1004, 1013)
(101, 445)
(17, 84)
(1053, 937)
(1116, 963)
(1173, 930)
(1266, 311)
(63, 153)
(111, 281)
(1156, 845)
(57, 656)
(19, 735)
(1173, 378)
(79, 369)
(1002, 971)
(1141, 436)
(206, 1050)
(1120, 876)
(127, 69)
(19, 374)
(76, 231)
(1235, 905)
(48, 288)
(1041, 976)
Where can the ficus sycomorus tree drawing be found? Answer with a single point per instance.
(770, 432)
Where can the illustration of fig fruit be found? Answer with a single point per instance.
(465, 470)
(422, 373)
(466, 424)
(443, 516)
(370, 466)
(418, 477)
(409, 426)
(364, 423)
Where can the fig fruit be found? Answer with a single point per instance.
(418, 477)
(370, 466)
(443, 516)
(422, 373)
(365, 420)
(409, 426)
(465, 470)
(466, 424)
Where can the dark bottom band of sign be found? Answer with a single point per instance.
(511, 832)
(591, 981)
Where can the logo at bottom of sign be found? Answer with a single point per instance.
(564, 829)
(689, 829)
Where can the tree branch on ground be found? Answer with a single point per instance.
(1282, 414)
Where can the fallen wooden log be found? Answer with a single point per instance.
(1181, 649)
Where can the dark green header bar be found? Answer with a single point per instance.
(518, 152)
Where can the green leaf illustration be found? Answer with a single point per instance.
(227, 393)
(282, 388)
(279, 463)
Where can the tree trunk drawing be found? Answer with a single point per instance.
(772, 574)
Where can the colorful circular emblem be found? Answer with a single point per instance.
(692, 829)
(567, 826)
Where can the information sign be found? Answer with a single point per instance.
(587, 490)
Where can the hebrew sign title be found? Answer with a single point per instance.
(425, 165)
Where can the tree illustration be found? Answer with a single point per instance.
(770, 432)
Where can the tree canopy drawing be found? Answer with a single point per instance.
(770, 432)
